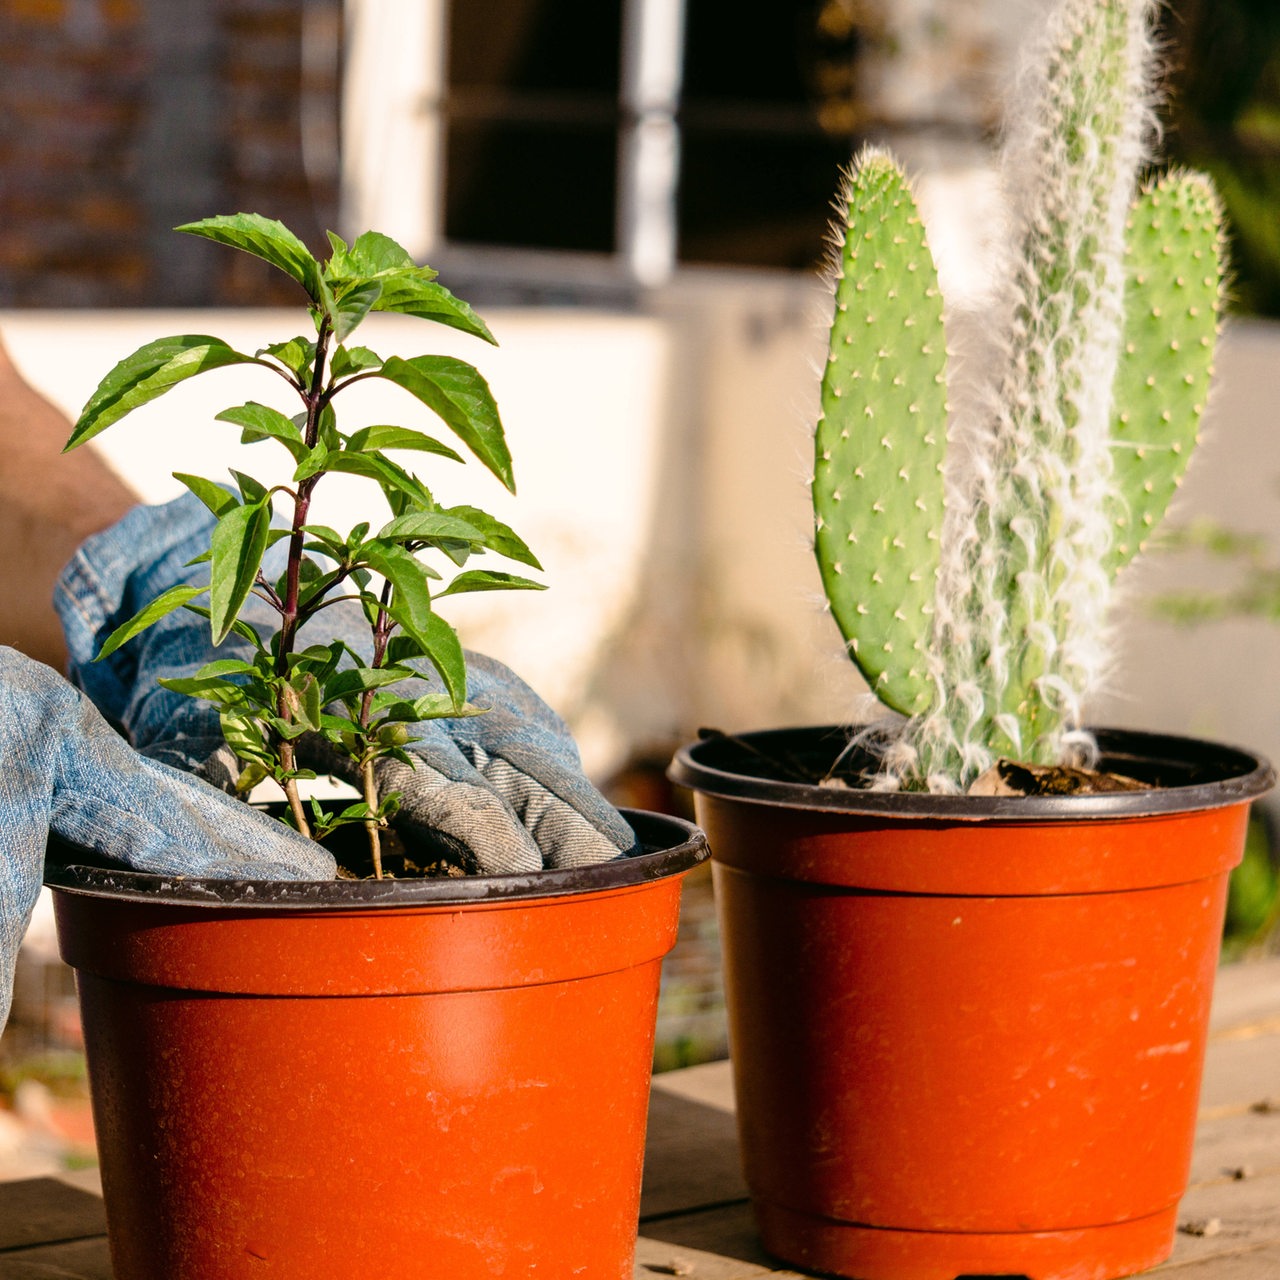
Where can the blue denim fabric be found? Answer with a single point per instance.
(63, 768)
(501, 793)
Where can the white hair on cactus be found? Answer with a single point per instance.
(1023, 589)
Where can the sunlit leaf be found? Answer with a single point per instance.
(360, 679)
(265, 238)
(386, 437)
(497, 536)
(150, 372)
(375, 467)
(297, 355)
(261, 422)
(239, 539)
(351, 360)
(411, 294)
(489, 580)
(424, 526)
(352, 305)
(163, 604)
(214, 496)
(457, 393)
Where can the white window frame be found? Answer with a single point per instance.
(393, 95)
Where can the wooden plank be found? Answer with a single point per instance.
(711, 1084)
(1246, 1264)
(691, 1157)
(1241, 1073)
(656, 1258)
(721, 1243)
(42, 1210)
(1239, 1215)
(80, 1260)
(1246, 991)
(1244, 1143)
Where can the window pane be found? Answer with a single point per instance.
(560, 46)
(766, 124)
(532, 114)
(531, 186)
(762, 202)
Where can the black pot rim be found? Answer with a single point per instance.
(670, 846)
(1189, 774)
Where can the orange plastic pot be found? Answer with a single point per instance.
(968, 1034)
(428, 1080)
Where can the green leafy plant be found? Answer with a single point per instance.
(268, 701)
(970, 565)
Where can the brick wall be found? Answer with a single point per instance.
(121, 118)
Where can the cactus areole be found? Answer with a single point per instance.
(968, 543)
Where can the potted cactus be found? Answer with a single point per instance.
(969, 949)
(391, 1073)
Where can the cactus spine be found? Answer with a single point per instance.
(985, 624)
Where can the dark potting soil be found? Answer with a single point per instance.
(853, 764)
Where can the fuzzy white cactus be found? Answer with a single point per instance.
(1066, 447)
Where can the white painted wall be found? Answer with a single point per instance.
(662, 462)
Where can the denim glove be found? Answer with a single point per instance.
(109, 579)
(498, 793)
(64, 769)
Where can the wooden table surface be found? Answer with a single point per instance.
(695, 1218)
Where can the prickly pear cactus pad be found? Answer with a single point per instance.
(1175, 260)
(879, 444)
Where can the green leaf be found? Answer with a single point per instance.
(360, 679)
(214, 496)
(442, 646)
(265, 238)
(326, 305)
(297, 355)
(340, 261)
(210, 688)
(385, 437)
(413, 294)
(240, 627)
(238, 541)
(254, 772)
(409, 578)
(352, 305)
(373, 253)
(428, 526)
(311, 707)
(489, 580)
(497, 536)
(225, 667)
(330, 539)
(163, 604)
(150, 372)
(383, 470)
(261, 422)
(315, 461)
(431, 706)
(243, 734)
(460, 397)
(251, 490)
(350, 360)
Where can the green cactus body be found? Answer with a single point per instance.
(879, 445)
(1173, 304)
(983, 618)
